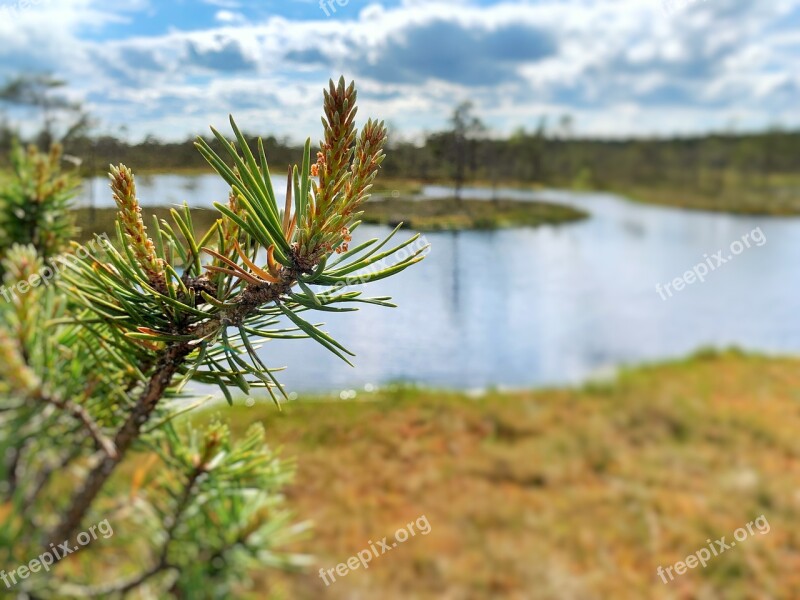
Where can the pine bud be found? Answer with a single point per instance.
(130, 215)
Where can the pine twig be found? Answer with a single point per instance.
(172, 358)
(162, 564)
(79, 413)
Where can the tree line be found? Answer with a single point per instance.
(463, 152)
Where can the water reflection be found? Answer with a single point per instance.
(551, 305)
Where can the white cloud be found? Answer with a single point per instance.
(619, 67)
(229, 18)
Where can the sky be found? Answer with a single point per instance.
(617, 67)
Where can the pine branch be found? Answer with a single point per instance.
(160, 381)
(13, 461)
(79, 413)
(170, 362)
(44, 477)
(151, 308)
(162, 563)
(249, 301)
(25, 382)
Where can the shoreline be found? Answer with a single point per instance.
(776, 199)
(602, 378)
(779, 199)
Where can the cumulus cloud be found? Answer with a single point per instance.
(619, 67)
(226, 56)
(452, 52)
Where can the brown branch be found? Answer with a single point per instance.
(118, 589)
(12, 466)
(44, 478)
(162, 564)
(170, 362)
(166, 368)
(79, 413)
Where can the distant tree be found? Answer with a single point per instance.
(39, 92)
(6, 135)
(465, 130)
(565, 124)
(529, 152)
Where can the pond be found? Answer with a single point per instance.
(552, 305)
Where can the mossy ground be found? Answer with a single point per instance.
(573, 493)
(776, 195)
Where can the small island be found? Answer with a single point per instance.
(445, 214)
(450, 214)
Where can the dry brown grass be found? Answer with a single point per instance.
(553, 494)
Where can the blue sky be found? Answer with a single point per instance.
(618, 67)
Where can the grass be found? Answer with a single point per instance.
(450, 214)
(731, 192)
(398, 187)
(572, 493)
(776, 195)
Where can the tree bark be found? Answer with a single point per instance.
(167, 367)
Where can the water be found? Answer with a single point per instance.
(551, 305)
